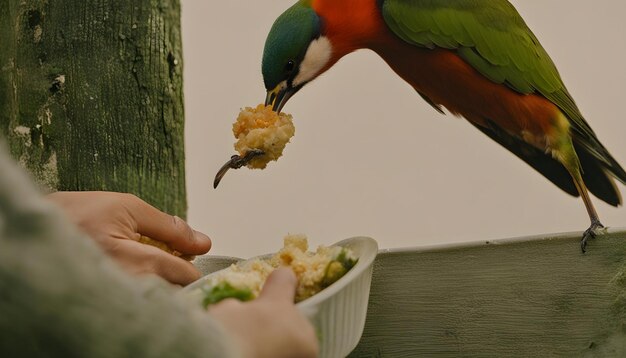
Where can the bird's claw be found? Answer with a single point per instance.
(590, 234)
(236, 162)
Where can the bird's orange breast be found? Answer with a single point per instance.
(349, 24)
(439, 74)
(448, 80)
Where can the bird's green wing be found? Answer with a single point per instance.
(494, 39)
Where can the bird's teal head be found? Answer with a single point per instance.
(295, 53)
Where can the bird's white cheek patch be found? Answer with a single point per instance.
(317, 56)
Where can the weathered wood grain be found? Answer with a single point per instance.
(537, 298)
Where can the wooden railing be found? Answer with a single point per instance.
(533, 297)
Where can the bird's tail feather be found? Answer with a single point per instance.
(601, 155)
(598, 178)
(596, 174)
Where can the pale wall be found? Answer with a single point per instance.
(369, 156)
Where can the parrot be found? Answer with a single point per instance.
(477, 59)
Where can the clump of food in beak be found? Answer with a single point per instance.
(264, 130)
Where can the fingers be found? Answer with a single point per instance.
(280, 286)
(175, 269)
(169, 229)
(144, 259)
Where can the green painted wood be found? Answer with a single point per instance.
(519, 298)
(91, 95)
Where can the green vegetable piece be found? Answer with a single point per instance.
(223, 291)
(337, 268)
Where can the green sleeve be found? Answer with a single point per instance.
(60, 296)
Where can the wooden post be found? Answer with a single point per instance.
(91, 95)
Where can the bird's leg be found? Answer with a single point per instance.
(236, 162)
(564, 152)
(590, 233)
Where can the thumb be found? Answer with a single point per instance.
(280, 286)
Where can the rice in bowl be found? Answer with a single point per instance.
(314, 270)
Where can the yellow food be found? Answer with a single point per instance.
(163, 246)
(312, 269)
(262, 128)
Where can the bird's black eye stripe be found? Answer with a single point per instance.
(290, 66)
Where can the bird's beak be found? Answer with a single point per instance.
(279, 96)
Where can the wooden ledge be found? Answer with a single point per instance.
(528, 297)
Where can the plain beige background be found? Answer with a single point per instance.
(369, 156)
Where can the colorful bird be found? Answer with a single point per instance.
(478, 59)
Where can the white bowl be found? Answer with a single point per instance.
(338, 312)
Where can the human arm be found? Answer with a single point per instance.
(60, 295)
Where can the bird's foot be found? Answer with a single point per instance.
(590, 234)
(236, 162)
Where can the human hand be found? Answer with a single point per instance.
(271, 325)
(117, 221)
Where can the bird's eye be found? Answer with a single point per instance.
(290, 66)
